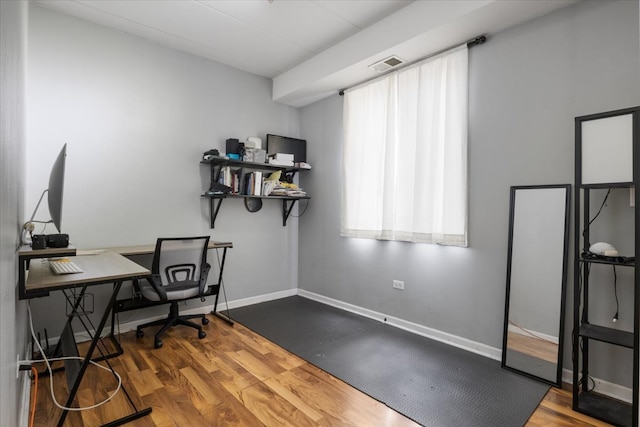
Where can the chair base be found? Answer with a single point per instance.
(172, 320)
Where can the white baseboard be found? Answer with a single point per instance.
(25, 392)
(261, 298)
(605, 388)
(460, 342)
(518, 330)
(222, 307)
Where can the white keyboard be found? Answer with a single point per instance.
(64, 266)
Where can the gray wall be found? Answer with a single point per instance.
(13, 28)
(137, 118)
(527, 84)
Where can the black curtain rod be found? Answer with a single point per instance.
(471, 43)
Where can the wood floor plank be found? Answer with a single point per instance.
(260, 368)
(232, 376)
(283, 387)
(236, 378)
(271, 408)
(145, 382)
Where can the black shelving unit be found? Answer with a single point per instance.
(585, 400)
(215, 199)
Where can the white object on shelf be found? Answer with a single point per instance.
(276, 162)
(253, 142)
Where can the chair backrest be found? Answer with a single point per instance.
(179, 259)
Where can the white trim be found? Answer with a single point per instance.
(25, 400)
(222, 307)
(456, 341)
(260, 298)
(605, 388)
(25, 393)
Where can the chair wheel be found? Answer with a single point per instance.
(205, 321)
(202, 334)
(139, 334)
(157, 344)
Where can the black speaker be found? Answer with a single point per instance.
(233, 146)
(57, 240)
(38, 241)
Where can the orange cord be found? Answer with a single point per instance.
(35, 396)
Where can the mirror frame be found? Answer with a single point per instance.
(562, 307)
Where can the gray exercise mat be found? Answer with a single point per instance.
(432, 383)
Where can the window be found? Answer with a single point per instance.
(405, 154)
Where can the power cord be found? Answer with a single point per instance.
(574, 355)
(580, 304)
(303, 211)
(47, 360)
(35, 396)
(28, 228)
(615, 292)
(597, 214)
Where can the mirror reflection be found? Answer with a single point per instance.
(536, 281)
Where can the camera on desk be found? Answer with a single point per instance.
(41, 241)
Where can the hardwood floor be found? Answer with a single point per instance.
(533, 346)
(234, 377)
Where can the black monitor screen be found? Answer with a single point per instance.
(284, 144)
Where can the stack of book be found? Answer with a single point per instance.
(253, 182)
(230, 178)
(288, 190)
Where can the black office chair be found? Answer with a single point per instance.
(179, 272)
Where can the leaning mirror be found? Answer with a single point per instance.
(536, 281)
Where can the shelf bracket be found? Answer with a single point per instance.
(286, 210)
(214, 208)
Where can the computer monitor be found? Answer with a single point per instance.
(285, 144)
(55, 190)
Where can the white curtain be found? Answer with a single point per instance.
(405, 154)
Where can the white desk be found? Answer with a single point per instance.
(104, 267)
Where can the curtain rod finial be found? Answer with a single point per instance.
(476, 41)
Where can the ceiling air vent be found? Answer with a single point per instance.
(386, 64)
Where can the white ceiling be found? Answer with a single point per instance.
(310, 48)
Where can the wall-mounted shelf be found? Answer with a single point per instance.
(215, 199)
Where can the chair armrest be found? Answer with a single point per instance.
(203, 278)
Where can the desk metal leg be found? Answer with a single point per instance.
(226, 317)
(87, 359)
(112, 334)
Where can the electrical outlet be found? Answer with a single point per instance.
(398, 284)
